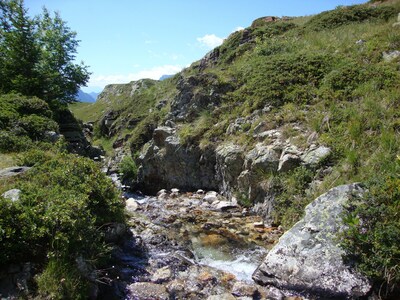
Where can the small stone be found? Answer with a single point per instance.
(226, 296)
(361, 42)
(200, 192)
(258, 224)
(147, 290)
(131, 205)
(162, 275)
(164, 196)
(163, 191)
(391, 55)
(210, 198)
(241, 289)
(224, 205)
(274, 293)
(175, 191)
(12, 195)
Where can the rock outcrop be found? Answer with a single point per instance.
(165, 163)
(307, 257)
(196, 93)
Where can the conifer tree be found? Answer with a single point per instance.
(37, 55)
(58, 45)
(19, 50)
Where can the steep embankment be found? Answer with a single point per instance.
(280, 113)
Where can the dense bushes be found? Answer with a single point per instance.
(349, 14)
(282, 78)
(373, 235)
(63, 205)
(23, 120)
(128, 168)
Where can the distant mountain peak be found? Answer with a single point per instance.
(163, 77)
(85, 97)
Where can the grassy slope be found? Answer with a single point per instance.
(84, 111)
(324, 74)
(312, 73)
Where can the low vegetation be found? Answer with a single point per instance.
(326, 74)
(57, 223)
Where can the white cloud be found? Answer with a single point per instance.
(153, 73)
(210, 40)
(239, 28)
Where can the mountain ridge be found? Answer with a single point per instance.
(277, 115)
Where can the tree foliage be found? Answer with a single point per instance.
(37, 54)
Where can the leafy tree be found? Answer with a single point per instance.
(37, 54)
(58, 45)
(19, 49)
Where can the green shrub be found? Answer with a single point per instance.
(10, 142)
(60, 280)
(282, 79)
(128, 168)
(35, 126)
(291, 199)
(63, 205)
(191, 133)
(372, 239)
(34, 156)
(143, 132)
(350, 14)
(272, 29)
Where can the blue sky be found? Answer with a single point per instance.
(125, 40)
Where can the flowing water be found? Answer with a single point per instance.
(183, 229)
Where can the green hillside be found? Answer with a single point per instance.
(333, 76)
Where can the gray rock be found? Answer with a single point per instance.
(211, 197)
(274, 294)
(314, 157)
(288, 162)
(52, 136)
(225, 296)
(391, 55)
(224, 205)
(131, 205)
(146, 291)
(162, 275)
(172, 165)
(229, 164)
(160, 134)
(12, 195)
(308, 258)
(12, 171)
(241, 289)
(263, 158)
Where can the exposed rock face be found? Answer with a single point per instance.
(230, 159)
(315, 156)
(195, 94)
(308, 258)
(165, 163)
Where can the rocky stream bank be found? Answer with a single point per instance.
(190, 246)
(203, 246)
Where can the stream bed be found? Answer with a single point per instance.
(189, 246)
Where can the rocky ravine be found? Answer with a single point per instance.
(189, 246)
(228, 168)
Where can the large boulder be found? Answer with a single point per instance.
(263, 158)
(12, 171)
(229, 165)
(168, 164)
(315, 156)
(308, 258)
